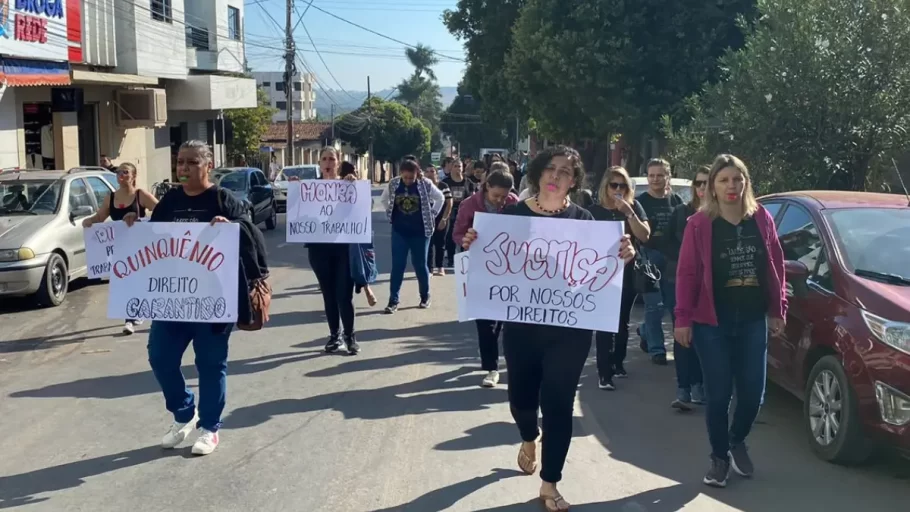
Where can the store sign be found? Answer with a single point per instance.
(34, 29)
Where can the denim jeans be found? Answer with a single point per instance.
(656, 303)
(688, 367)
(418, 247)
(167, 343)
(733, 354)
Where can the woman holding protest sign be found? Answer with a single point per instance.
(332, 266)
(545, 362)
(199, 200)
(617, 203)
(731, 290)
(412, 203)
(126, 199)
(495, 194)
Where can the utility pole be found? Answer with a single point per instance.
(333, 123)
(370, 121)
(289, 71)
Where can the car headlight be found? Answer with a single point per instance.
(20, 254)
(893, 334)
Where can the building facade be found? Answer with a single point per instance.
(129, 79)
(272, 82)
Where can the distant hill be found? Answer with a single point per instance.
(355, 100)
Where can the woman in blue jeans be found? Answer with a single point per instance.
(730, 291)
(197, 200)
(412, 203)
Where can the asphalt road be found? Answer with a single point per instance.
(401, 427)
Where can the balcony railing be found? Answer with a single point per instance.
(197, 38)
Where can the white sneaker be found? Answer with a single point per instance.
(129, 327)
(491, 380)
(206, 443)
(178, 432)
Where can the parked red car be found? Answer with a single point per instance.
(846, 349)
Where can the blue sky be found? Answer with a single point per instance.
(352, 53)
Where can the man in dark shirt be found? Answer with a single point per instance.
(461, 189)
(658, 206)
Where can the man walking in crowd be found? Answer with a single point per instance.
(658, 205)
(461, 188)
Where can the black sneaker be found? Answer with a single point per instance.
(350, 341)
(717, 475)
(620, 372)
(333, 344)
(424, 304)
(740, 460)
(606, 383)
(391, 308)
(659, 359)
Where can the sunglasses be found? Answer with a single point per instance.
(618, 186)
(700, 183)
(124, 173)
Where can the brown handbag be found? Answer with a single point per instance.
(260, 301)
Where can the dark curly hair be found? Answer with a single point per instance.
(540, 162)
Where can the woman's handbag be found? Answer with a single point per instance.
(647, 275)
(363, 264)
(260, 302)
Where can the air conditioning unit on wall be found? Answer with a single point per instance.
(140, 108)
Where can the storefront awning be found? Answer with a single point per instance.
(25, 72)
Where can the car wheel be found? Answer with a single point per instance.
(831, 414)
(272, 221)
(55, 282)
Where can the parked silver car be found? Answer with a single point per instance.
(42, 247)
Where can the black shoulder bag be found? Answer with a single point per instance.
(647, 275)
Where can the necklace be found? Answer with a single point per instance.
(553, 212)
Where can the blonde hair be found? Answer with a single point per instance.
(711, 205)
(499, 166)
(603, 192)
(130, 167)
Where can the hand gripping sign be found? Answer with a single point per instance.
(534, 270)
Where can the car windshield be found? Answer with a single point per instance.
(29, 197)
(682, 191)
(236, 181)
(301, 173)
(874, 240)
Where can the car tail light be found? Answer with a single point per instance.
(893, 334)
(893, 405)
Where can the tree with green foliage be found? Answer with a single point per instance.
(592, 69)
(394, 131)
(249, 126)
(420, 91)
(485, 26)
(818, 98)
(465, 123)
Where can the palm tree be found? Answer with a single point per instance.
(423, 58)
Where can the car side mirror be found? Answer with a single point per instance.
(81, 211)
(797, 273)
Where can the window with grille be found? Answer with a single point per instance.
(233, 22)
(161, 10)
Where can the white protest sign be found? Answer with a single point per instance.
(180, 272)
(545, 271)
(99, 248)
(461, 285)
(329, 211)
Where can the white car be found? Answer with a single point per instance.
(681, 187)
(292, 173)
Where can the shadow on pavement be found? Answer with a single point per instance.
(667, 499)
(441, 499)
(142, 383)
(22, 489)
(56, 340)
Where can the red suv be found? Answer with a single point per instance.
(846, 349)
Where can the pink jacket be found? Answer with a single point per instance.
(466, 211)
(694, 279)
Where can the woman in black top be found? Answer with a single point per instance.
(436, 254)
(545, 362)
(126, 199)
(617, 203)
(332, 266)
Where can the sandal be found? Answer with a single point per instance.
(526, 461)
(554, 503)
(371, 298)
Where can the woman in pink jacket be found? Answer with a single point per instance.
(730, 291)
(494, 195)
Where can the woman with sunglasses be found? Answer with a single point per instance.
(689, 388)
(617, 203)
(126, 199)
